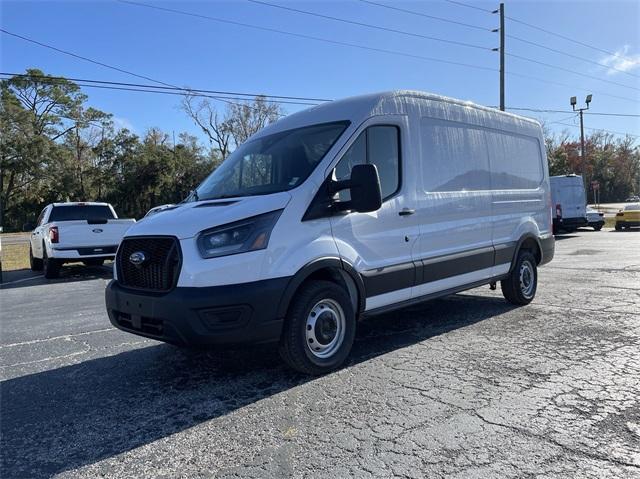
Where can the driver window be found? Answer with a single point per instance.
(377, 145)
(355, 155)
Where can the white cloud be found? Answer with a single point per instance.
(119, 123)
(621, 61)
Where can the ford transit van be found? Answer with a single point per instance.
(569, 201)
(348, 209)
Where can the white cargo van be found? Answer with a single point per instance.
(569, 202)
(351, 208)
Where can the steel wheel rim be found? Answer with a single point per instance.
(325, 328)
(527, 279)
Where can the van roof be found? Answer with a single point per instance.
(358, 108)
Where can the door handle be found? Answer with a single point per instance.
(406, 212)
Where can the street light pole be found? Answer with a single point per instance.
(583, 158)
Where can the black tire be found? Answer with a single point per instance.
(597, 228)
(51, 266)
(517, 290)
(93, 262)
(295, 343)
(34, 263)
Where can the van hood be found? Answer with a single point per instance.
(188, 219)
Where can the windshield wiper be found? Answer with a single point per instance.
(220, 197)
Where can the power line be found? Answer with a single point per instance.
(561, 52)
(553, 82)
(185, 89)
(368, 25)
(308, 37)
(96, 62)
(564, 37)
(469, 6)
(601, 129)
(420, 14)
(153, 89)
(547, 110)
(395, 52)
(402, 32)
(548, 32)
(549, 65)
(90, 60)
(561, 120)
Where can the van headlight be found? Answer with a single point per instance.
(247, 235)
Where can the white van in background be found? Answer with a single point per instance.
(350, 208)
(569, 202)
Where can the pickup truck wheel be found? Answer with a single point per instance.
(520, 286)
(93, 262)
(319, 329)
(51, 266)
(34, 263)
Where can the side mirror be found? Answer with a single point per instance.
(364, 186)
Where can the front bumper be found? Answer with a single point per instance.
(627, 223)
(232, 314)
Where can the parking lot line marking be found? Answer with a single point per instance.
(19, 280)
(66, 336)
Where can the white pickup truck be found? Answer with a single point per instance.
(74, 232)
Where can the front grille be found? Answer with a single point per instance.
(160, 269)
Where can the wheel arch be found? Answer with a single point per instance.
(329, 269)
(527, 242)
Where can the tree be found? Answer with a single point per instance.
(240, 121)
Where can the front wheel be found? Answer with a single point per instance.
(597, 228)
(34, 263)
(319, 328)
(520, 286)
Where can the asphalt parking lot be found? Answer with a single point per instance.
(466, 386)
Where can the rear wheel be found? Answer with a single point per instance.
(51, 266)
(34, 263)
(597, 228)
(521, 284)
(319, 328)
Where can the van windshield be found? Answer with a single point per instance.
(270, 164)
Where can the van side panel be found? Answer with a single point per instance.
(520, 187)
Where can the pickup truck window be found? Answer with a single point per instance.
(80, 212)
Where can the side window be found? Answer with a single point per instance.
(378, 145)
(515, 161)
(41, 217)
(454, 157)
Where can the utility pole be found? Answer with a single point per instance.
(583, 159)
(501, 50)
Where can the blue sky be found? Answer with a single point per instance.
(194, 52)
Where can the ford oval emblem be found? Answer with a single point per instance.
(97, 230)
(137, 258)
